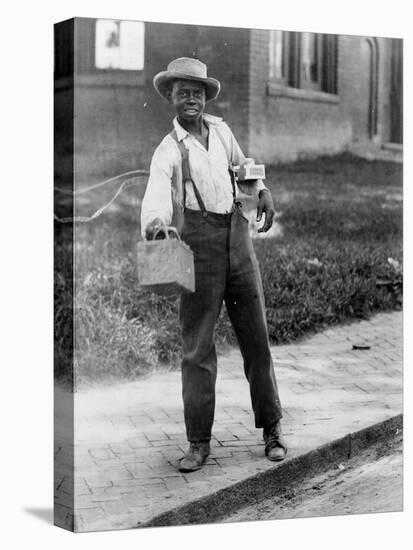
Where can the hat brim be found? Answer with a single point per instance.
(162, 80)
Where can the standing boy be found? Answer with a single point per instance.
(190, 175)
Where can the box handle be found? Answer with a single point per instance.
(166, 229)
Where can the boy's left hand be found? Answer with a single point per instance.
(265, 205)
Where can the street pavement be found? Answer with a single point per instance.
(128, 437)
(370, 482)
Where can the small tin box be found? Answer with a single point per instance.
(166, 266)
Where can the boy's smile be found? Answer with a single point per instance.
(188, 98)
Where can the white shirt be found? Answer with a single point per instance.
(209, 170)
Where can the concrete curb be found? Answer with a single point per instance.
(278, 480)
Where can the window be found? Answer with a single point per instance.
(119, 45)
(277, 55)
(303, 60)
(310, 63)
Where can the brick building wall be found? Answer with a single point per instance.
(119, 118)
(225, 52)
(366, 62)
(119, 122)
(384, 85)
(385, 46)
(353, 85)
(287, 125)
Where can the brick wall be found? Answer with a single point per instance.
(385, 69)
(225, 51)
(120, 120)
(354, 81)
(356, 55)
(285, 128)
(118, 124)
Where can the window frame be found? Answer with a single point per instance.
(304, 82)
(116, 70)
(285, 54)
(294, 84)
(84, 72)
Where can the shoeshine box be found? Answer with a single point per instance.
(166, 266)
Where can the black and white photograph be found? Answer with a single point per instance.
(228, 274)
(205, 238)
(232, 202)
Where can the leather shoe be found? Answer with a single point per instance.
(275, 447)
(197, 454)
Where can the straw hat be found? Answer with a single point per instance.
(186, 68)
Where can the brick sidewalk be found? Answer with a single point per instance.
(129, 437)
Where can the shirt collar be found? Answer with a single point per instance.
(182, 133)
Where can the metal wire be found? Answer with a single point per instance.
(86, 219)
(100, 184)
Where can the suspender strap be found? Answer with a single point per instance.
(232, 176)
(186, 174)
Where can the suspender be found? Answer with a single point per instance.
(186, 171)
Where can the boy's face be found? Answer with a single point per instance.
(188, 98)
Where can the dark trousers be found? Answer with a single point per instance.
(226, 269)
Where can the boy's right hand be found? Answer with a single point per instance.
(152, 228)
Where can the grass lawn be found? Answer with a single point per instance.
(336, 256)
